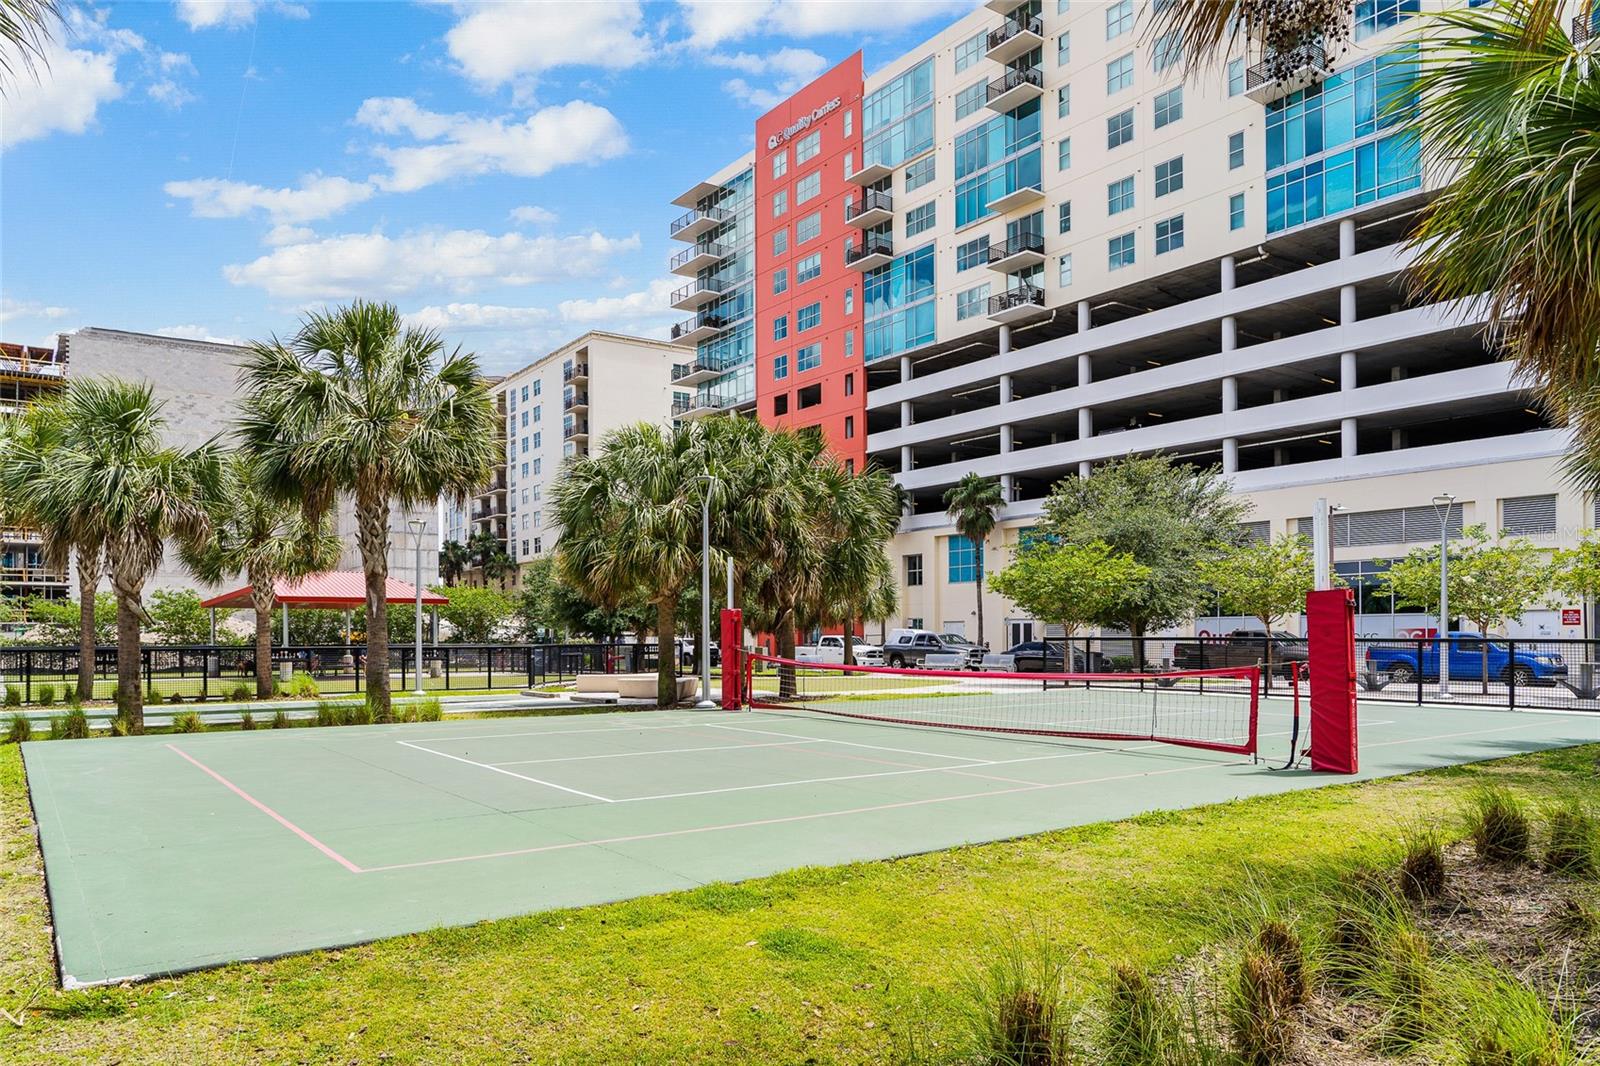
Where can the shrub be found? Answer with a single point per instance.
(327, 712)
(240, 693)
(358, 713)
(280, 720)
(1507, 1022)
(1017, 1012)
(58, 728)
(1282, 944)
(45, 695)
(176, 697)
(407, 712)
(119, 726)
(1261, 1002)
(75, 724)
(430, 710)
(72, 696)
(247, 721)
(13, 696)
(20, 730)
(1409, 994)
(1499, 823)
(188, 722)
(1422, 870)
(1136, 1025)
(1574, 841)
(302, 687)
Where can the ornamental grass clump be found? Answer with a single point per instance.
(188, 722)
(1574, 840)
(1017, 1007)
(20, 730)
(75, 724)
(1261, 1008)
(1422, 869)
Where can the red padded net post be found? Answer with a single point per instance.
(732, 659)
(1331, 643)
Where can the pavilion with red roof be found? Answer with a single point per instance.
(333, 590)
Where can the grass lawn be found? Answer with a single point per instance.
(820, 965)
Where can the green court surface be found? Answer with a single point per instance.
(173, 852)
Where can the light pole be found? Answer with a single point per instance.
(706, 703)
(418, 526)
(1442, 504)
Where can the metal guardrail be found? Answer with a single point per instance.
(1280, 66)
(1021, 296)
(875, 245)
(1014, 79)
(1010, 28)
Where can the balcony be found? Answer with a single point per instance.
(1281, 73)
(1016, 88)
(703, 404)
(693, 373)
(577, 401)
(1585, 27)
(873, 209)
(696, 223)
(1002, 7)
(576, 431)
(575, 372)
(1015, 38)
(1022, 197)
(704, 254)
(701, 327)
(870, 174)
(680, 405)
(697, 294)
(1019, 253)
(1021, 302)
(875, 251)
(695, 193)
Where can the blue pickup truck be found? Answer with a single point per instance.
(1468, 659)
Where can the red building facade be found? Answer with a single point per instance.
(808, 302)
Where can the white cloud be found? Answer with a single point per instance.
(533, 216)
(504, 42)
(316, 197)
(792, 67)
(284, 233)
(648, 307)
(357, 264)
(13, 309)
(69, 87)
(468, 317)
(712, 22)
(575, 132)
(198, 333)
(232, 14)
(168, 92)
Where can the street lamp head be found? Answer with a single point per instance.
(1444, 499)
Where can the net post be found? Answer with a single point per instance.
(1330, 628)
(734, 660)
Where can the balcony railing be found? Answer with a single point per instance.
(576, 429)
(693, 368)
(1021, 298)
(1585, 27)
(577, 399)
(873, 200)
(698, 322)
(1022, 244)
(1280, 73)
(702, 218)
(710, 286)
(680, 405)
(875, 245)
(703, 248)
(1016, 78)
(1012, 28)
(575, 371)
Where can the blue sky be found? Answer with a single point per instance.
(500, 171)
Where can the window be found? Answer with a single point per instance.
(920, 218)
(1235, 77)
(536, 389)
(538, 409)
(1119, 74)
(807, 147)
(973, 253)
(525, 468)
(808, 187)
(1169, 176)
(538, 440)
(1236, 211)
(1064, 153)
(808, 317)
(808, 358)
(538, 464)
(1119, 19)
(849, 350)
(849, 427)
(1064, 48)
(1167, 51)
(1169, 234)
(780, 164)
(1064, 101)
(1119, 196)
(780, 327)
(1119, 129)
(849, 123)
(780, 280)
(849, 161)
(524, 418)
(537, 546)
(807, 228)
(1064, 218)
(780, 241)
(919, 173)
(850, 300)
(964, 560)
(525, 393)
(780, 202)
(1169, 106)
(780, 367)
(808, 268)
(970, 51)
(849, 384)
(809, 396)
(1236, 150)
(1375, 15)
(780, 404)
(913, 570)
(1119, 252)
(972, 302)
(1064, 275)
(971, 99)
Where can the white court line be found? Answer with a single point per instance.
(659, 751)
(847, 743)
(561, 732)
(508, 773)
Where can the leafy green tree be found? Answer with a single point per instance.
(357, 403)
(176, 617)
(1490, 582)
(973, 502)
(103, 464)
(1575, 572)
(1072, 585)
(500, 567)
(475, 613)
(58, 621)
(1166, 517)
(265, 538)
(1264, 580)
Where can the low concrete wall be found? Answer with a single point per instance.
(634, 686)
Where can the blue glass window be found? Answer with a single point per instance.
(807, 317)
(807, 358)
(965, 559)
(780, 366)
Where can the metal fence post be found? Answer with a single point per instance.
(488, 667)
(447, 670)
(1511, 672)
(403, 653)
(27, 679)
(1421, 665)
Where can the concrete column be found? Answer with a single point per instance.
(1085, 423)
(1230, 395)
(1347, 438)
(1083, 469)
(1005, 439)
(1230, 333)
(1347, 238)
(1347, 305)
(1005, 388)
(907, 417)
(1230, 445)
(1005, 339)
(905, 458)
(1084, 316)
(1347, 371)
(1085, 370)
(905, 368)
(1005, 487)
(1227, 272)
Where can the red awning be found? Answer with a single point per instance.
(334, 588)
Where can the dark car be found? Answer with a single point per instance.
(1242, 647)
(1042, 656)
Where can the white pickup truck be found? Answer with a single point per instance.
(830, 649)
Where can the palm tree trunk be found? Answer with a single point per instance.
(372, 536)
(89, 567)
(666, 651)
(979, 641)
(784, 631)
(262, 601)
(850, 637)
(130, 696)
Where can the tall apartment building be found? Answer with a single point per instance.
(27, 374)
(558, 407)
(1033, 246)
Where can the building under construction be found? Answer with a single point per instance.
(27, 374)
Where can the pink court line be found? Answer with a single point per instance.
(270, 813)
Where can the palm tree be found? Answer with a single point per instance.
(26, 29)
(973, 503)
(357, 403)
(482, 547)
(862, 514)
(499, 566)
(100, 471)
(454, 558)
(266, 539)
